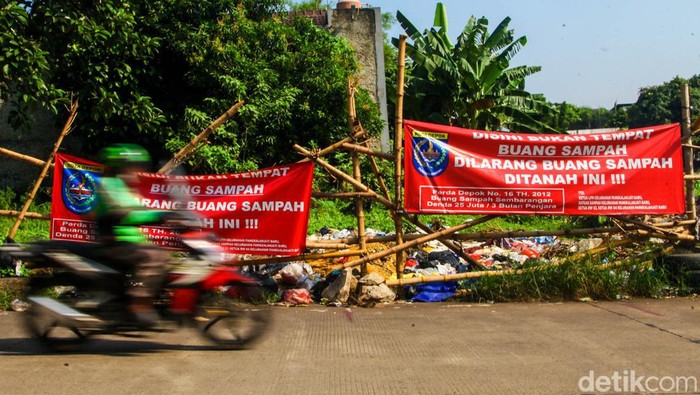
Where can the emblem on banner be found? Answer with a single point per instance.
(430, 155)
(79, 191)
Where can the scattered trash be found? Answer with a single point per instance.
(19, 305)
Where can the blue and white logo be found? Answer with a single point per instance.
(430, 154)
(79, 191)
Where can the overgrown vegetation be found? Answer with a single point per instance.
(587, 279)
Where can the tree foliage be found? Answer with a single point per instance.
(470, 84)
(160, 71)
(661, 104)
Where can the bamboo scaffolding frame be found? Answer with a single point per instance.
(412, 243)
(200, 138)
(47, 165)
(343, 176)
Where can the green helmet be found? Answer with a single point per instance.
(118, 156)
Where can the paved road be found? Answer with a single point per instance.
(393, 349)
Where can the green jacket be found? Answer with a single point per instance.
(119, 213)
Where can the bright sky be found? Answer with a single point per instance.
(592, 52)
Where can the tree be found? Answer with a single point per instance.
(470, 84)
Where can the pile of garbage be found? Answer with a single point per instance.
(299, 283)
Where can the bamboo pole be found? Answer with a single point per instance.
(380, 179)
(412, 243)
(327, 245)
(335, 146)
(300, 258)
(490, 273)
(356, 173)
(31, 215)
(502, 234)
(398, 157)
(344, 176)
(45, 170)
(359, 204)
(367, 151)
(452, 245)
(201, 137)
(688, 152)
(26, 158)
(341, 195)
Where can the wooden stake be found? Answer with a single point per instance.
(380, 179)
(201, 137)
(45, 170)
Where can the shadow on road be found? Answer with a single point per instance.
(138, 345)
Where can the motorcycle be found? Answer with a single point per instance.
(74, 294)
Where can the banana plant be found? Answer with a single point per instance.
(469, 84)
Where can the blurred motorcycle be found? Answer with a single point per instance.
(74, 293)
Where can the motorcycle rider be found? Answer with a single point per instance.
(119, 216)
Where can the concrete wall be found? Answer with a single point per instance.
(37, 142)
(363, 29)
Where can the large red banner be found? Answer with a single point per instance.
(461, 171)
(263, 212)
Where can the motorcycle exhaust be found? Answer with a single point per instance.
(65, 315)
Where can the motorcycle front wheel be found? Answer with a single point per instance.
(234, 316)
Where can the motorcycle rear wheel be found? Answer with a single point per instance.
(232, 322)
(49, 329)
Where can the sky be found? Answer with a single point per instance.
(593, 53)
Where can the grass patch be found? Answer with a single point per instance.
(590, 278)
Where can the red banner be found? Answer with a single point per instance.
(263, 212)
(73, 198)
(461, 171)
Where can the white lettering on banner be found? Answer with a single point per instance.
(557, 138)
(159, 204)
(626, 135)
(546, 179)
(276, 172)
(640, 163)
(496, 164)
(496, 136)
(165, 189)
(559, 165)
(228, 190)
(212, 206)
(274, 205)
(526, 150)
(594, 150)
